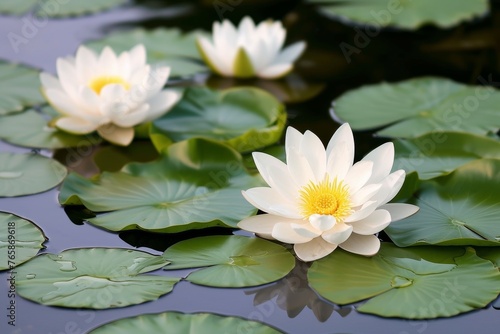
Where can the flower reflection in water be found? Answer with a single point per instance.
(294, 294)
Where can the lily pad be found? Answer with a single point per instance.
(196, 184)
(31, 129)
(181, 323)
(165, 46)
(20, 87)
(243, 118)
(49, 8)
(26, 174)
(428, 281)
(459, 209)
(418, 106)
(289, 89)
(405, 14)
(74, 8)
(20, 240)
(16, 7)
(97, 278)
(440, 153)
(231, 261)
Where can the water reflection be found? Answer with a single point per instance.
(294, 294)
(161, 241)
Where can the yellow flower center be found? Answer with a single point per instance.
(326, 198)
(98, 83)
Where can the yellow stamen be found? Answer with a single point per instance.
(98, 83)
(326, 198)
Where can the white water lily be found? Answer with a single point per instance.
(249, 50)
(107, 93)
(319, 200)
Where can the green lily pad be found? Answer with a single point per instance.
(231, 261)
(196, 184)
(459, 209)
(405, 14)
(243, 118)
(97, 278)
(181, 323)
(31, 129)
(440, 153)
(165, 46)
(289, 89)
(418, 106)
(16, 7)
(74, 8)
(430, 282)
(50, 8)
(20, 87)
(26, 174)
(20, 240)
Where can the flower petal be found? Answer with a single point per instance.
(270, 201)
(390, 187)
(313, 150)
(383, 159)
(116, 135)
(400, 211)
(275, 71)
(338, 233)
(340, 152)
(290, 53)
(85, 60)
(367, 245)
(285, 232)
(75, 125)
(314, 249)
(306, 230)
(299, 168)
(161, 103)
(322, 222)
(366, 209)
(263, 224)
(293, 140)
(358, 175)
(50, 82)
(211, 58)
(374, 223)
(364, 194)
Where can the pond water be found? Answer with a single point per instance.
(464, 54)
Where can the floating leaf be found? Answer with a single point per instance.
(458, 209)
(20, 87)
(95, 278)
(181, 323)
(440, 153)
(244, 118)
(73, 8)
(165, 46)
(20, 240)
(430, 282)
(405, 14)
(232, 261)
(31, 129)
(16, 6)
(289, 89)
(50, 8)
(26, 174)
(196, 184)
(415, 107)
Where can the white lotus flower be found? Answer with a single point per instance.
(319, 200)
(107, 93)
(249, 50)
